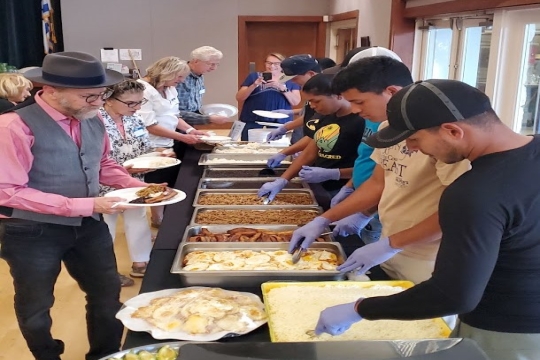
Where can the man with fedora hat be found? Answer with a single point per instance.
(488, 266)
(55, 154)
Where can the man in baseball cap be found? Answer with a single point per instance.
(488, 266)
(300, 68)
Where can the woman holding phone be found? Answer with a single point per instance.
(266, 91)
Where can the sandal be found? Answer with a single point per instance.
(125, 281)
(138, 271)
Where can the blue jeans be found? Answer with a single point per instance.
(34, 252)
(372, 231)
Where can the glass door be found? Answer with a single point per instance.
(437, 48)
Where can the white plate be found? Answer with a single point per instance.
(124, 315)
(219, 109)
(268, 124)
(215, 139)
(130, 194)
(269, 114)
(152, 162)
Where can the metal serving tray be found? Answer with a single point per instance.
(231, 147)
(153, 348)
(253, 160)
(202, 192)
(316, 210)
(246, 183)
(248, 278)
(212, 172)
(194, 230)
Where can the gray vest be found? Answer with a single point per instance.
(59, 166)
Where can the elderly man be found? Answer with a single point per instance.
(204, 59)
(488, 265)
(55, 154)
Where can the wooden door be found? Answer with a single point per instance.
(346, 41)
(288, 35)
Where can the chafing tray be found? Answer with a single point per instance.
(246, 183)
(194, 230)
(212, 172)
(315, 210)
(253, 160)
(236, 148)
(247, 278)
(202, 192)
(153, 348)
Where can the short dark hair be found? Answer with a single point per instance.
(350, 55)
(326, 62)
(127, 86)
(320, 84)
(372, 74)
(483, 120)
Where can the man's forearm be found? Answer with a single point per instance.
(297, 146)
(307, 157)
(291, 125)
(425, 231)
(194, 118)
(345, 173)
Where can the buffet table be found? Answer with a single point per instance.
(177, 218)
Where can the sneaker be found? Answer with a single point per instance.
(125, 281)
(138, 271)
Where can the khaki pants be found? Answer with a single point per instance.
(500, 345)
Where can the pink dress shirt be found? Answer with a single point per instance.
(16, 141)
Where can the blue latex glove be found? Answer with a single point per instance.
(272, 188)
(275, 160)
(335, 320)
(341, 195)
(308, 233)
(363, 259)
(276, 134)
(317, 174)
(351, 225)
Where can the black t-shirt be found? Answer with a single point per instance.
(488, 266)
(337, 139)
(310, 118)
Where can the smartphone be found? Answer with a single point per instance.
(267, 76)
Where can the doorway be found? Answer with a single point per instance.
(342, 35)
(289, 35)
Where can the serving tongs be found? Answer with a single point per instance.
(298, 252)
(266, 200)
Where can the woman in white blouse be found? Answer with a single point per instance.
(129, 139)
(160, 116)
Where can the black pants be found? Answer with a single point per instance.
(34, 252)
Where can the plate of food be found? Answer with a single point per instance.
(152, 195)
(270, 114)
(215, 139)
(152, 162)
(193, 313)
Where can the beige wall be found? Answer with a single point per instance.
(374, 18)
(414, 3)
(173, 27)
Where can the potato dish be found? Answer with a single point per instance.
(258, 260)
(244, 235)
(292, 216)
(253, 199)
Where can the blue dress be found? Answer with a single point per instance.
(263, 98)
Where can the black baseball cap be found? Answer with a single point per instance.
(427, 104)
(299, 65)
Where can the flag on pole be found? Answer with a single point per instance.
(49, 36)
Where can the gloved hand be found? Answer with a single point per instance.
(363, 259)
(284, 111)
(341, 195)
(335, 320)
(275, 160)
(317, 174)
(351, 225)
(308, 233)
(272, 188)
(276, 134)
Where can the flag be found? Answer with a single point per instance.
(49, 36)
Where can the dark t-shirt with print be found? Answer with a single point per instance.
(337, 140)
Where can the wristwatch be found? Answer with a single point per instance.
(286, 90)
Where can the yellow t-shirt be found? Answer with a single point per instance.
(413, 184)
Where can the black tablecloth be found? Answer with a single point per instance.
(176, 219)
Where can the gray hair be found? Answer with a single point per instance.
(206, 53)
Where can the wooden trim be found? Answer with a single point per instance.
(349, 15)
(402, 33)
(280, 18)
(459, 6)
(321, 40)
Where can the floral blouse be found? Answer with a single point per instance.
(135, 144)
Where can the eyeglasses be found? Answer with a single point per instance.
(269, 63)
(211, 64)
(132, 104)
(94, 97)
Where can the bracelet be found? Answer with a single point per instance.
(286, 90)
(189, 130)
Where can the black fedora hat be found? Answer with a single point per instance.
(73, 70)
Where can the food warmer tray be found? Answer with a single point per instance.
(212, 172)
(253, 160)
(153, 348)
(194, 230)
(245, 184)
(201, 192)
(249, 278)
(200, 209)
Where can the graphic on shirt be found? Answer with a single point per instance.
(393, 159)
(327, 137)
